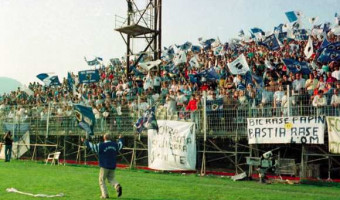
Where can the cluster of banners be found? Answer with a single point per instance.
(286, 130)
(173, 146)
(300, 130)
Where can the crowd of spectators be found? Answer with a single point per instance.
(116, 94)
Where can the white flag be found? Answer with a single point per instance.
(180, 58)
(149, 65)
(194, 62)
(309, 48)
(239, 65)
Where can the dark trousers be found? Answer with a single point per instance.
(8, 152)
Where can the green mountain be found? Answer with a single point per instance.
(8, 84)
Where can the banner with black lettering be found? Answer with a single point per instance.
(286, 130)
(333, 124)
(173, 147)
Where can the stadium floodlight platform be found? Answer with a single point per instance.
(134, 30)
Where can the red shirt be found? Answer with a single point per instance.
(192, 105)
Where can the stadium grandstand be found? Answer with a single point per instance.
(220, 86)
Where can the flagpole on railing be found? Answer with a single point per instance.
(48, 119)
(203, 167)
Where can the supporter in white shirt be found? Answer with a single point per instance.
(277, 100)
(320, 102)
(336, 73)
(335, 102)
(299, 83)
(157, 83)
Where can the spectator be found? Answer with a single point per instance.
(319, 102)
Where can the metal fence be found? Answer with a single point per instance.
(231, 120)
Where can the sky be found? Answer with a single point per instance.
(53, 36)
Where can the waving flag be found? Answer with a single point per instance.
(300, 34)
(293, 16)
(186, 46)
(194, 62)
(147, 121)
(94, 61)
(257, 33)
(53, 80)
(206, 43)
(49, 80)
(42, 76)
(195, 49)
(88, 76)
(278, 29)
(70, 82)
(309, 48)
(209, 74)
(271, 43)
(239, 65)
(85, 118)
(324, 43)
(296, 66)
(180, 58)
(330, 53)
(151, 64)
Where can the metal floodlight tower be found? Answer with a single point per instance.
(145, 24)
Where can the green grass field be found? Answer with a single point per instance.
(81, 182)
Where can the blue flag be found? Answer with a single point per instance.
(271, 43)
(42, 76)
(53, 80)
(185, 46)
(292, 16)
(93, 62)
(282, 36)
(326, 27)
(88, 76)
(324, 43)
(330, 53)
(147, 121)
(195, 49)
(300, 34)
(296, 66)
(206, 43)
(278, 29)
(257, 30)
(85, 118)
(209, 74)
(70, 81)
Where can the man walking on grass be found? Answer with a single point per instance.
(107, 152)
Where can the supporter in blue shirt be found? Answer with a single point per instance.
(107, 152)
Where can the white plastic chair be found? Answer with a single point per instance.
(53, 157)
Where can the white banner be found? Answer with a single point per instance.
(286, 130)
(333, 124)
(173, 147)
